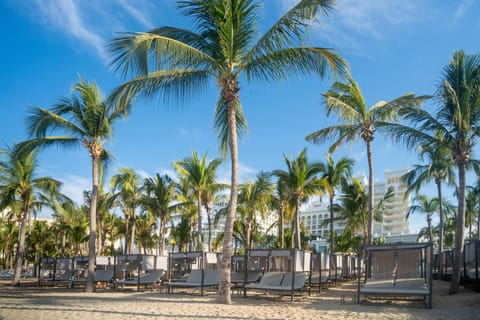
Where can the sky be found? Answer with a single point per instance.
(393, 47)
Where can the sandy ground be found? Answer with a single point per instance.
(28, 302)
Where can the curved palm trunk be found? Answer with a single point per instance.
(332, 243)
(224, 286)
(21, 243)
(199, 226)
(370, 194)
(90, 285)
(459, 237)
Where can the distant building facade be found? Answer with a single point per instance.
(316, 215)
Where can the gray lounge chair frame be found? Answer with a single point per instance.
(104, 276)
(396, 271)
(471, 271)
(59, 271)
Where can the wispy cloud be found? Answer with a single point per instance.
(245, 173)
(462, 8)
(74, 186)
(355, 20)
(66, 16)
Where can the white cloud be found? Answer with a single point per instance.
(73, 186)
(354, 20)
(66, 16)
(245, 173)
(462, 8)
(142, 16)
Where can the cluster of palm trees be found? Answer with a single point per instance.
(176, 64)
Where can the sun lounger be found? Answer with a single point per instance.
(211, 278)
(101, 277)
(61, 277)
(151, 278)
(279, 283)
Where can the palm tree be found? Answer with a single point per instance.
(20, 188)
(359, 121)
(158, 200)
(200, 175)
(455, 125)
(427, 206)
(281, 201)
(86, 120)
(471, 209)
(439, 168)
(178, 63)
(126, 182)
(302, 181)
(334, 174)
(254, 198)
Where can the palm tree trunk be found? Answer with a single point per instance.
(429, 226)
(282, 228)
(332, 244)
(90, 285)
(440, 212)
(224, 286)
(127, 219)
(132, 237)
(298, 243)
(370, 194)
(21, 243)
(199, 226)
(459, 237)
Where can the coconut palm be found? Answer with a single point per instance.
(20, 188)
(281, 201)
(454, 125)
(201, 176)
(346, 100)
(178, 63)
(254, 198)
(439, 168)
(158, 200)
(84, 119)
(302, 181)
(127, 185)
(471, 209)
(423, 204)
(334, 174)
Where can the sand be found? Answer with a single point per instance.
(28, 302)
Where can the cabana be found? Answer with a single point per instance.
(104, 270)
(320, 270)
(286, 272)
(447, 259)
(471, 265)
(193, 270)
(396, 271)
(55, 271)
(140, 270)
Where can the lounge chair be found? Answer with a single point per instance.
(101, 277)
(279, 283)
(197, 279)
(151, 278)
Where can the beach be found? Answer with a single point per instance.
(30, 302)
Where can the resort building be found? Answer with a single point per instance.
(316, 215)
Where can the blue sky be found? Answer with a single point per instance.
(393, 47)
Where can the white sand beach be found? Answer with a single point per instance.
(63, 303)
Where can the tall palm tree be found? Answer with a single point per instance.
(159, 200)
(422, 204)
(20, 188)
(200, 175)
(84, 119)
(454, 125)
(282, 202)
(334, 174)
(254, 198)
(302, 181)
(346, 100)
(471, 209)
(439, 168)
(178, 63)
(127, 184)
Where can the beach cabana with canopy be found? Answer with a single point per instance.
(396, 271)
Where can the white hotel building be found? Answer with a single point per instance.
(394, 227)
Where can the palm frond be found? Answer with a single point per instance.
(338, 133)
